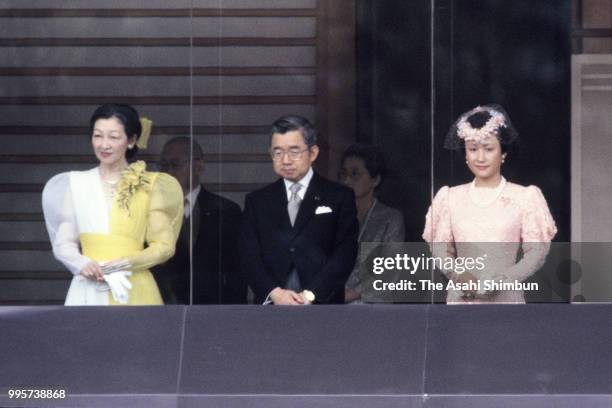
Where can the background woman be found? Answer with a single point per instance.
(488, 217)
(100, 219)
(363, 169)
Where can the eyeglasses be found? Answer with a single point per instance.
(294, 154)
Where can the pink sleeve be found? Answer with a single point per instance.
(537, 225)
(537, 230)
(437, 220)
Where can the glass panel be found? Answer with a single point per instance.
(263, 74)
(58, 64)
(394, 114)
(516, 56)
(179, 158)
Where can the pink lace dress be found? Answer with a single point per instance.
(466, 221)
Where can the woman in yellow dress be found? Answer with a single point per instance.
(110, 224)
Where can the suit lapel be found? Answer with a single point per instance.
(278, 205)
(206, 208)
(197, 216)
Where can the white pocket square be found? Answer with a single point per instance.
(322, 209)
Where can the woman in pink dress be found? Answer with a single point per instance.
(489, 219)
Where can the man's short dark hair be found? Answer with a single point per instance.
(293, 122)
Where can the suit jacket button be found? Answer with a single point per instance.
(292, 249)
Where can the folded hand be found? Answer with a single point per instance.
(281, 296)
(92, 270)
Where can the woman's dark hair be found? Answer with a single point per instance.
(372, 158)
(127, 115)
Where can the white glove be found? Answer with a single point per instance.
(119, 285)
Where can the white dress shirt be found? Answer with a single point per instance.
(305, 181)
(190, 199)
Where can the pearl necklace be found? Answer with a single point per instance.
(111, 183)
(109, 186)
(492, 196)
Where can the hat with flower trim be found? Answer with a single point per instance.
(479, 124)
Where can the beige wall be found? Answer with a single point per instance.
(592, 173)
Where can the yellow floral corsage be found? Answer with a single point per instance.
(133, 178)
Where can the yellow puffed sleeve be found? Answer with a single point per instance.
(164, 219)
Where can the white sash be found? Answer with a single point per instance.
(91, 208)
(92, 216)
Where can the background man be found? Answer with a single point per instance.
(215, 225)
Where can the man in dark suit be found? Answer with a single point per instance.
(299, 235)
(212, 224)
